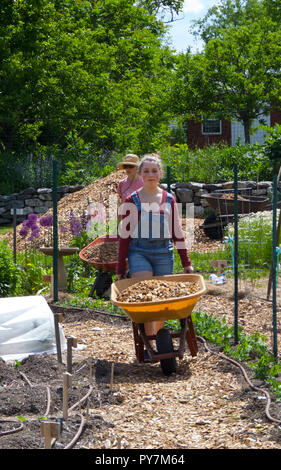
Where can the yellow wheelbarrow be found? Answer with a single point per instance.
(174, 308)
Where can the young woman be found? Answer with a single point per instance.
(149, 230)
(133, 181)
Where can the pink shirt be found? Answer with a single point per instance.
(127, 187)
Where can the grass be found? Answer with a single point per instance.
(4, 230)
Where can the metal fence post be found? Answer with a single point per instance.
(235, 255)
(274, 260)
(55, 231)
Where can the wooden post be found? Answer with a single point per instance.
(49, 430)
(71, 343)
(67, 381)
(57, 319)
(112, 376)
(91, 369)
(218, 263)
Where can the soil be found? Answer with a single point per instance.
(206, 404)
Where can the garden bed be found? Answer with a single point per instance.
(206, 405)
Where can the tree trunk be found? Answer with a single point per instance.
(247, 127)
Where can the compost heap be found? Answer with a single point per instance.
(153, 290)
(102, 252)
(99, 191)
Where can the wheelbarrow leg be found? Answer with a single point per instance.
(191, 338)
(141, 341)
(139, 344)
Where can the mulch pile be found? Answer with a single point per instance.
(102, 191)
(155, 290)
(102, 252)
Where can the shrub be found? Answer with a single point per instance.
(8, 272)
(214, 164)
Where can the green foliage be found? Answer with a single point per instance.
(87, 302)
(214, 163)
(249, 348)
(213, 330)
(8, 272)
(272, 145)
(255, 240)
(95, 71)
(30, 279)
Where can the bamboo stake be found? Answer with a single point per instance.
(67, 381)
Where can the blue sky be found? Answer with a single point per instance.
(179, 30)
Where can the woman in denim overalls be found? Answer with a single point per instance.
(154, 225)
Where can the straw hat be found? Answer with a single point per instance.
(130, 159)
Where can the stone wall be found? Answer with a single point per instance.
(29, 201)
(39, 201)
(188, 193)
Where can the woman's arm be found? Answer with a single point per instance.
(129, 217)
(179, 239)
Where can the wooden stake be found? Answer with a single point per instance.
(91, 369)
(57, 319)
(49, 430)
(112, 376)
(67, 381)
(71, 343)
(218, 263)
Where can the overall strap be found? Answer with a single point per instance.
(136, 200)
(169, 198)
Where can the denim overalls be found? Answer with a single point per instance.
(151, 247)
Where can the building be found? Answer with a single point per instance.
(213, 131)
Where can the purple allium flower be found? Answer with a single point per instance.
(35, 233)
(23, 232)
(32, 218)
(34, 226)
(49, 220)
(63, 229)
(46, 221)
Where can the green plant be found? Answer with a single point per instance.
(254, 243)
(30, 279)
(214, 163)
(265, 367)
(9, 272)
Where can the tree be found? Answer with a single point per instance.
(95, 69)
(228, 14)
(236, 77)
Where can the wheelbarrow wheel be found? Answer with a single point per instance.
(101, 285)
(164, 345)
(215, 232)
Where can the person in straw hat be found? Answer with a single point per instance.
(133, 181)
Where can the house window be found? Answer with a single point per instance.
(211, 126)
